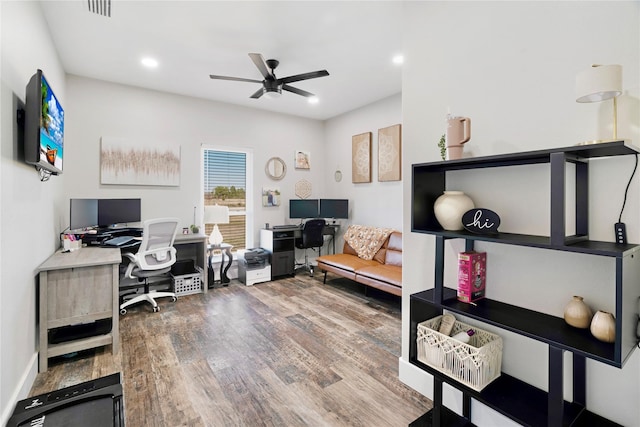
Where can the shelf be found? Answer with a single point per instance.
(448, 418)
(539, 326)
(514, 399)
(590, 247)
(615, 148)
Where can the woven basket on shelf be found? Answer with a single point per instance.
(475, 364)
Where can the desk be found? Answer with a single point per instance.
(194, 246)
(226, 250)
(280, 241)
(75, 288)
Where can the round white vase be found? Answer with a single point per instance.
(603, 326)
(450, 207)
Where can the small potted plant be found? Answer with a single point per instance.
(195, 229)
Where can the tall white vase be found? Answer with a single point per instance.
(450, 207)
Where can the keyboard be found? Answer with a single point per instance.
(118, 241)
(284, 227)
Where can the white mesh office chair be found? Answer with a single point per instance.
(154, 258)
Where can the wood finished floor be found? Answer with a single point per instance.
(292, 352)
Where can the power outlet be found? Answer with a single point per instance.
(621, 232)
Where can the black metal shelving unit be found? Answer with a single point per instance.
(510, 396)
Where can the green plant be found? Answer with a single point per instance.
(195, 229)
(443, 147)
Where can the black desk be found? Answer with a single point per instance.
(280, 241)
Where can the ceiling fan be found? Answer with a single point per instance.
(271, 85)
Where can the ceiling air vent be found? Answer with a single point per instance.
(101, 7)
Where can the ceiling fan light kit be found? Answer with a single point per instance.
(271, 85)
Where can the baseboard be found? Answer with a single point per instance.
(416, 378)
(23, 388)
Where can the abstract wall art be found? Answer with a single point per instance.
(128, 162)
(361, 158)
(389, 146)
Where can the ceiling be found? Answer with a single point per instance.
(354, 41)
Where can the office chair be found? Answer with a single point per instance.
(154, 258)
(312, 237)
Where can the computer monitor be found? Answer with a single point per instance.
(118, 211)
(303, 208)
(83, 213)
(334, 208)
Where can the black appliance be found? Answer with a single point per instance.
(96, 403)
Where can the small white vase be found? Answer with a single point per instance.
(450, 207)
(603, 326)
(577, 313)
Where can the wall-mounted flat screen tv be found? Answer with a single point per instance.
(44, 126)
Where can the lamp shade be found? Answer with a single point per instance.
(599, 83)
(216, 214)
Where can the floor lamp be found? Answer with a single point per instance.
(215, 215)
(600, 83)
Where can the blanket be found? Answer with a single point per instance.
(366, 240)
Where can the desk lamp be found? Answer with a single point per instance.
(216, 215)
(600, 83)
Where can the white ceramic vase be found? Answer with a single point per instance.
(577, 313)
(603, 326)
(450, 207)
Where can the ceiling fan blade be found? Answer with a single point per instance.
(297, 91)
(258, 94)
(261, 64)
(305, 76)
(235, 79)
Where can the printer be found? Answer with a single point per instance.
(254, 266)
(256, 258)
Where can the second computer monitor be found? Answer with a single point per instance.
(303, 208)
(334, 208)
(118, 211)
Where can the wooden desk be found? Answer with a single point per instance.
(76, 288)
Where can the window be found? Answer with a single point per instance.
(225, 180)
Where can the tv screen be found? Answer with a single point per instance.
(44, 126)
(334, 208)
(83, 213)
(303, 208)
(118, 211)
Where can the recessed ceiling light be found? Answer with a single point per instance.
(398, 59)
(149, 62)
(313, 100)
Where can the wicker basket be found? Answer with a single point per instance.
(475, 364)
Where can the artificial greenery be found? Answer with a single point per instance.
(443, 147)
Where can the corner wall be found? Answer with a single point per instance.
(31, 212)
(511, 67)
(374, 203)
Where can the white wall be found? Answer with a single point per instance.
(100, 109)
(375, 203)
(511, 67)
(30, 211)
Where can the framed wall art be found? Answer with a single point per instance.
(361, 158)
(389, 154)
(303, 160)
(128, 162)
(270, 196)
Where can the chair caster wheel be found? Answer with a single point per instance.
(123, 311)
(174, 299)
(156, 309)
